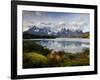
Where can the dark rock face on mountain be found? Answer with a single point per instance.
(35, 32)
(38, 31)
(69, 33)
(46, 32)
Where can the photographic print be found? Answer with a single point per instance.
(53, 39)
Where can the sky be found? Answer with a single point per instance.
(56, 20)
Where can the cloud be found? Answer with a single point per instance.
(79, 24)
(56, 22)
(46, 23)
(27, 24)
(38, 13)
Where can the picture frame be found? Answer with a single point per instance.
(27, 10)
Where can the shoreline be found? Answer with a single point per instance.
(63, 39)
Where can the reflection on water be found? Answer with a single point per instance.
(72, 46)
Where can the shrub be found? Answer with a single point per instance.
(31, 46)
(31, 60)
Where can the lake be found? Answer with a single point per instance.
(72, 45)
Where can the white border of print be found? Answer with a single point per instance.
(22, 71)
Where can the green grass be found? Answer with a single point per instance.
(79, 59)
(36, 56)
(30, 46)
(33, 59)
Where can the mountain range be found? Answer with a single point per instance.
(47, 32)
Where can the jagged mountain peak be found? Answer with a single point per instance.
(48, 31)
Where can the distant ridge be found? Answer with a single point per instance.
(46, 32)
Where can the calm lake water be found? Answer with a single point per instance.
(72, 45)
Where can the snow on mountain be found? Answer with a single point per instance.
(58, 31)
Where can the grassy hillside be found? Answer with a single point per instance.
(30, 36)
(36, 56)
(86, 35)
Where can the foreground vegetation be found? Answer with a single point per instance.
(36, 56)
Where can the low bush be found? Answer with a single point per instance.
(31, 46)
(31, 60)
